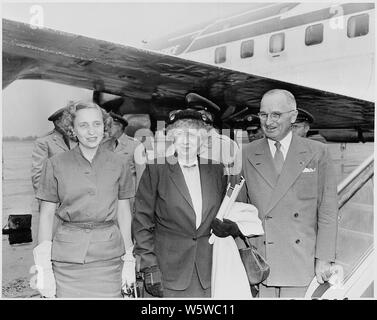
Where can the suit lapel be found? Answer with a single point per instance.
(261, 159)
(119, 148)
(297, 157)
(122, 145)
(179, 180)
(59, 141)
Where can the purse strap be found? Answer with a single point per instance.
(247, 242)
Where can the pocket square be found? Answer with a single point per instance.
(309, 170)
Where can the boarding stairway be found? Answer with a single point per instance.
(354, 264)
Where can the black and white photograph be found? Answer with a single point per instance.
(188, 150)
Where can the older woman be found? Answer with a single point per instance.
(177, 199)
(92, 186)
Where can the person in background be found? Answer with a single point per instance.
(253, 128)
(217, 147)
(176, 202)
(92, 186)
(55, 142)
(122, 144)
(302, 124)
(292, 182)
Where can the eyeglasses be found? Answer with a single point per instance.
(274, 116)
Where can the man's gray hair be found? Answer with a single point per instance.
(291, 101)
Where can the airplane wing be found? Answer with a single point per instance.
(156, 83)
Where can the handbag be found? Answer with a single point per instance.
(18, 228)
(137, 289)
(256, 267)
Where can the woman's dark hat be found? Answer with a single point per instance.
(198, 108)
(304, 116)
(56, 115)
(118, 118)
(190, 114)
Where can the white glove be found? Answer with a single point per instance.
(128, 272)
(337, 276)
(43, 280)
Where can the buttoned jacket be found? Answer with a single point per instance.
(298, 208)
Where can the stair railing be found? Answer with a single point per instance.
(349, 186)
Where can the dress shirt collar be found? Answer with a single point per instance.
(285, 143)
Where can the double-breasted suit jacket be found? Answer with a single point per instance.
(164, 223)
(298, 209)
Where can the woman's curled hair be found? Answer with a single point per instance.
(69, 116)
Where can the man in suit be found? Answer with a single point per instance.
(45, 147)
(292, 182)
(177, 199)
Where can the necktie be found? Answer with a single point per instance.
(66, 141)
(278, 158)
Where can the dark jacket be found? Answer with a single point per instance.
(164, 223)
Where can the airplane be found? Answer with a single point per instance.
(233, 62)
(301, 43)
(330, 73)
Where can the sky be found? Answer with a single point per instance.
(26, 104)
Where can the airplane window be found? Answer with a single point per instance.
(220, 54)
(358, 26)
(314, 34)
(247, 49)
(277, 42)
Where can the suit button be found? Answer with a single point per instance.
(298, 241)
(194, 238)
(295, 215)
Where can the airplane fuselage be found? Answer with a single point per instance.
(322, 46)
